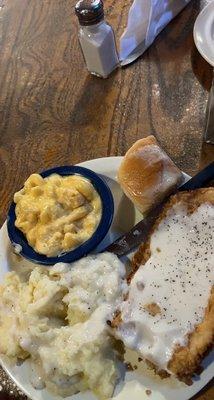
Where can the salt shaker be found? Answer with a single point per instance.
(96, 38)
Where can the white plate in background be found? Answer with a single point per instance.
(204, 33)
(137, 381)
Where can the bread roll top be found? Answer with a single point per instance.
(147, 174)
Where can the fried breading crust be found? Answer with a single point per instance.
(185, 360)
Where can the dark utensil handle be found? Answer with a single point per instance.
(209, 130)
(200, 179)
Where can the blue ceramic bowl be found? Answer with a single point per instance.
(18, 238)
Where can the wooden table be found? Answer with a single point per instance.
(52, 112)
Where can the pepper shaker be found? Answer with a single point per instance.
(96, 38)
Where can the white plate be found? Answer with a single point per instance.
(204, 33)
(138, 381)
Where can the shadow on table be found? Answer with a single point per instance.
(6, 396)
(92, 103)
(202, 70)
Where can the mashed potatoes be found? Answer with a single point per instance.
(57, 214)
(58, 318)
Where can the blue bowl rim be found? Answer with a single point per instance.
(18, 238)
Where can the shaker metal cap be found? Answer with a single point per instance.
(89, 12)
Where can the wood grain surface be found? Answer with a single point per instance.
(52, 112)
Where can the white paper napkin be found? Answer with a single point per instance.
(146, 20)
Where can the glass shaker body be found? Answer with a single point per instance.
(99, 48)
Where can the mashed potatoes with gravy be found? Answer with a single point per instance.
(58, 318)
(57, 214)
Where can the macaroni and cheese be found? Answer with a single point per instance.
(57, 214)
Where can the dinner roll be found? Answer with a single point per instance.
(147, 174)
